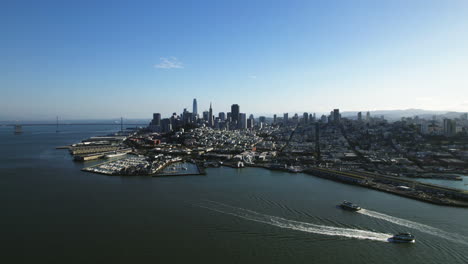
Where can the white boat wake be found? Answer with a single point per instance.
(417, 226)
(295, 225)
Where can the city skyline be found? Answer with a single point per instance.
(91, 60)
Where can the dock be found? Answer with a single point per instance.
(426, 192)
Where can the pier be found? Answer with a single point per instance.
(412, 189)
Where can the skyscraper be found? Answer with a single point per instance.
(336, 116)
(210, 117)
(285, 117)
(156, 119)
(222, 116)
(195, 107)
(242, 121)
(359, 116)
(274, 119)
(235, 113)
(305, 117)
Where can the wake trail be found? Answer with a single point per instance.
(417, 226)
(295, 225)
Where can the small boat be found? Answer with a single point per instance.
(349, 206)
(402, 238)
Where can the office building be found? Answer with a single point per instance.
(195, 107)
(336, 116)
(235, 113)
(242, 121)
(210, 117)
(222, 116)
(156, 119)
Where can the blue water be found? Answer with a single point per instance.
(52, 212)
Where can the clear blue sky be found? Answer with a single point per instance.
(105, 59)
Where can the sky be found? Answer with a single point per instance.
(106, 59)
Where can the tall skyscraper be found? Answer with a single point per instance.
(235, 113)
(156, 119)
(336, 116)
(242, 121)
(359, 116)
(210, 117)
(155, 124)
(274, 119)
(285, 117)
(368, 116)
(195, 107)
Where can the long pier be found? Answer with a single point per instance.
(412, 189)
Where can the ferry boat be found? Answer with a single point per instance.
(402, 238)
(349, 206)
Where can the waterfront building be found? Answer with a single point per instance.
(235, 110)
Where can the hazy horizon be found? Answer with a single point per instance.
(393, 113)
(87, 60)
